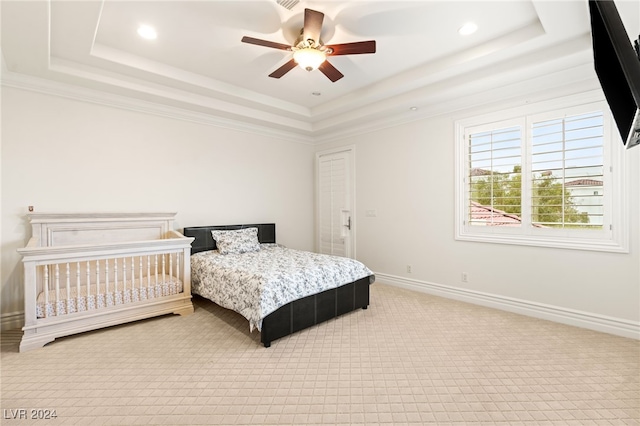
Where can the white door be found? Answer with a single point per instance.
(335, 182)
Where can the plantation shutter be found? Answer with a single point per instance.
(494, 177)
(567, 172)
(552, 177)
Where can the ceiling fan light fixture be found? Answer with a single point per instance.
(309, 58)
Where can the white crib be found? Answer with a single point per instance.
(88, 271)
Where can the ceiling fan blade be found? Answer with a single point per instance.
(330, 71)
(312, 25)
(354, 48)
(283, 69)
(265, 43)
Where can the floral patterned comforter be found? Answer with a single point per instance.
(257, 283)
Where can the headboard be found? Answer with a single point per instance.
(63, 229)
(204, 240)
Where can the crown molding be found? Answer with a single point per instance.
(449, 99)
(78, 93)
(459, 99)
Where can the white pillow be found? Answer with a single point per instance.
(237, 241)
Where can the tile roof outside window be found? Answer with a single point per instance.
(495, 217)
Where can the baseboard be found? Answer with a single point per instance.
(11, 320)
(605, 324)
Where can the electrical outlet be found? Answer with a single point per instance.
(409, 269)
(464, 277)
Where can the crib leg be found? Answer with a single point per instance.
(32, 341)
(186, 310)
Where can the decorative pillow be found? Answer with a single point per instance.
(237, 241)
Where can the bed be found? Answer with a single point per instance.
(87, 271)
(275, 310)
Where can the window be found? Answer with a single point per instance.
(567, 154)
(547, 176)
(494, 176)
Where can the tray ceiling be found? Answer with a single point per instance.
(198, 65)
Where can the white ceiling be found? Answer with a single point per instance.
(198, 66)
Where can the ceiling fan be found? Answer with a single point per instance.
(310, 53)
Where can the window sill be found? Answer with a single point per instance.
(619, 245)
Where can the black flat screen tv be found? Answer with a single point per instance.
(617, 64)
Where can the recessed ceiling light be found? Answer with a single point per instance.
(316, 93)
(413, 108)
(148, 32)
(468, 28)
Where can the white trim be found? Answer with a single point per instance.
(615, 240)
(53, 88)
(602, 323)
(11, 320)
(572, 78)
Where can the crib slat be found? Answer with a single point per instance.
(97, 281)
(68, 301)
(163, 270)
(106, 277)
(57, 269)
(133, 278)
(171, 265)
(88, 281)
(115, 277)
(178, 260)
(133, 275)
(78, 286)
(46, 290)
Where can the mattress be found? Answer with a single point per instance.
(100, 298)
(257, 283)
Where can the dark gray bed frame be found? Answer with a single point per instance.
(299, 314)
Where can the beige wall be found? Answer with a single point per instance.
(61, 155)
(406, 174)
(64, 156)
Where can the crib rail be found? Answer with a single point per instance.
(79, 286)
(71, 279)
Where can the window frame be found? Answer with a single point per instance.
(613, 237)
